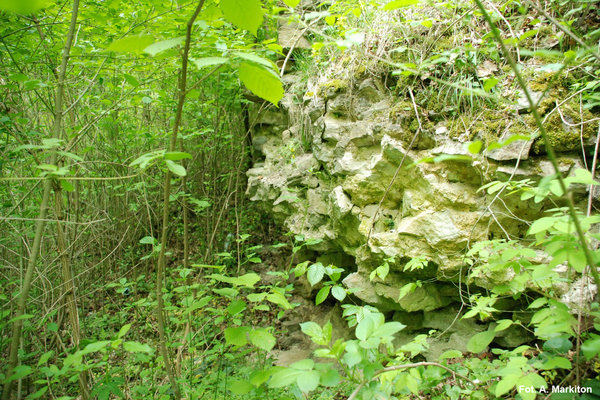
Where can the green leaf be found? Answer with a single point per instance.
(291, 3)
(227, 292)
(338, 292)
(148, 240)
(395, 4)
(131, 80)
(66, 185)
(258, 377)
(280, 300)
(365, 328)
(502, 325)
(248, 280)
(591, 347)
(507, 383)
(311, 329)
(236, 307)
(239, 387)
(19, 372)
(245, 14)
(236, 336)
(158, 47)
(96, 346)
(284, 377)
(315, 273)
(137, 347)
(262, 82)
(176, 155)
(308, 381)
(330, 377)
(474, 147)
(45, 357)
(480, 341)
(37, 394)
(262, 339)
(175, 168)
(130, 44)
(406, 289)
(322, 295)
(305, 365)
(450, 354)
(542, 301)
(253, 57)
(123, 331)
(208, 61)
(490, 83)
(23, 6)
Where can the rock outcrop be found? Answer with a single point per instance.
(338, 165)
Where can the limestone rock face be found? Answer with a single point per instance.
(338, 166)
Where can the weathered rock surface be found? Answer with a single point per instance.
(337, 166)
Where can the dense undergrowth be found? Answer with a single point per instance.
(134, 267)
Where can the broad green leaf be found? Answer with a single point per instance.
(394, 4)
(450, 354)
(284, 377)
(557, 362)
(330, 377)
(137, 347)
(490, 83)
(291, 3)
(131, 80)
(236, 336)
(123, 331)
(227, 292)
(208, 61)
(365, 328)
(311, 329)
(304, 365)
(322, 295)
(245, 14)
(130, 44)
(37, 394)
(542, 301)
(506, 384)
(308, 381)
(248, 280)
(175, 168)
(158, 47)
(406, 289)
(45, 357)
(480, 341)
(19, 372)
(338, 292)
(388, 330)
(176, 155)
(23, 6)
(262, 82)
(96, 346)
(315, 273)
(475, 147)
(280, 300)
(258, 377)
(147, 240)
(236, 307)
(239, 387)
(262, 339)
(503, 324)
(591, 347)
(253, 57)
